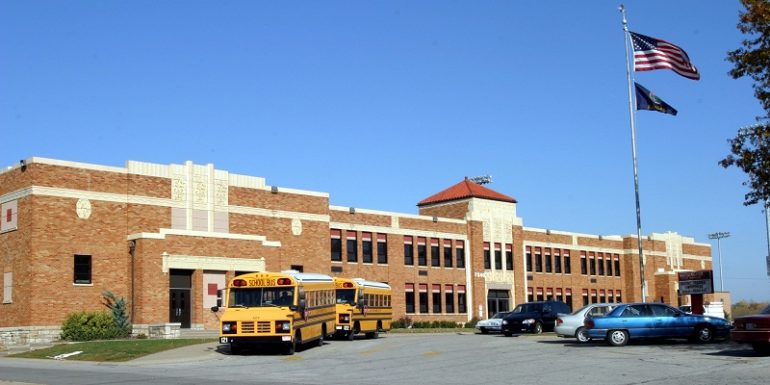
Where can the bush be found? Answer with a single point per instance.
(402, 323)
(472, 323)
(117, 306)
(87, 326)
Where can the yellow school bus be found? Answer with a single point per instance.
(362, 307)
(287, 308)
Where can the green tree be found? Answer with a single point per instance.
(750, 149)
(119, 310)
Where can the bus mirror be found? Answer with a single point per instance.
(219, 302)
(215, 308)
(360, 303)
(293, 307)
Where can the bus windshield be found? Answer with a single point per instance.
(260, 297)
(346, 296)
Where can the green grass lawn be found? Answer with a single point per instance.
(111, 351)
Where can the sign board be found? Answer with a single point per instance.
(696, 282)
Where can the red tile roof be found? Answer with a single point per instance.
(465, 189)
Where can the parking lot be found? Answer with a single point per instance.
(447, 358)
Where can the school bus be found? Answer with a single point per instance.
(287, 308)
(362, 307)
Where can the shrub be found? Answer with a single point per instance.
(402, 323)
(117, 306)
(472, 323)
(87, 326)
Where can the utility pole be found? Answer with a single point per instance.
(718, 236)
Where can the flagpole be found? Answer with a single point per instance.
(632, 115)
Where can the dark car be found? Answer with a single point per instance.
(755, 330)
(654, 320)
(533, 317)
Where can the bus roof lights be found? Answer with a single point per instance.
(239, 282)
(284, 281)
(347, 285)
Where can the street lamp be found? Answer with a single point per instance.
(718, 236)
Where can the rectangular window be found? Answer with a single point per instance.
(567, 263)
(409, 295)
(448, 254)
(336, 251)
(436, 298)
(600, 264)
(498, 256)
(585, 297)
(538, 260)
(352, 246)
(616, 259)
(549, 294)
(529, 259)
(602, 296)
(610, 296)
(557, 261)
(568, 297)
(460, 248)
(423, 298)
(609, 265)
(82, 269)
(461, 308)
(592, 263)
(618, 297)
(583, 264)
(593, 296)
(539, 293)
(548, 263)
(8, 287)
(366, 247)
(508, 256)
(449, 299)
(530, 296)
(382, 249)
(435, 257)
(487, 258)
(422, 257)
(559, 295)
(408, 251)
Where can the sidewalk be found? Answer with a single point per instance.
(199, 352)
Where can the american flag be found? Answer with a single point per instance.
(654, 54)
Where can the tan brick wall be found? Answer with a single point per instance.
(449, 210)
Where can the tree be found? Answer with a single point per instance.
(118, 307)
(750, 149)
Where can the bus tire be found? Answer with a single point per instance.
(292, 346)
(320, 340)
(353, 331)
(235, 349)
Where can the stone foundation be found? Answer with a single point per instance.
(28, 335)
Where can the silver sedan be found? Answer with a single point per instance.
(571, 325)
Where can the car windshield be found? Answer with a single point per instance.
(259, 297)
(499, 315)
(528, 308)
(765, 311)
(578, 311)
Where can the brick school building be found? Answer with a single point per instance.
(168, 237)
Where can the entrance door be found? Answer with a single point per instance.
(180, 291)
(497, 301)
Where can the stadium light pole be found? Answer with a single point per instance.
(718, 236)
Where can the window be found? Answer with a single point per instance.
(585, 297)
(559, 295)
(423, 298)
(422, 258)
(449, 299)
(548, 294)
(435, 257)
(602, 296)
(538, 260)
(352, 246)
(583, 264)
(497, 301)
(460, 248)
(557, 261)
(409, 295)
(529, 259)
(336, 245)
(618, 297)
(609, 265)
(8, 287)
(548, 263)
(539, 293)
(298, 268)
(509, 256)
(568, 298)
(382, 249)
(408, 251)
(600, 263)
(461, 299)
(436, 291)
(530, 296)
(593, 296)
(567, 263)
(610, 296)
(592, 263)
(487, 261)
(448, 255)
(498, 256)
(82, 269)
(617, 265)
(366, 247)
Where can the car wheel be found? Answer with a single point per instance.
(582, 335)
(704, 334)
(617, 337)
(507, 333)
(761, 348)
(538, 329)
(484, 331)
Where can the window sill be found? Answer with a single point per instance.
(83, 284)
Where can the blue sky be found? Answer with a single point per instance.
(384, 103)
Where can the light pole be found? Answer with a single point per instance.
(718, 236)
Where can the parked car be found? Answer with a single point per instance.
(755, 330)
(571, 325)
(491, 324)
(654, 320)
(533, 317)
